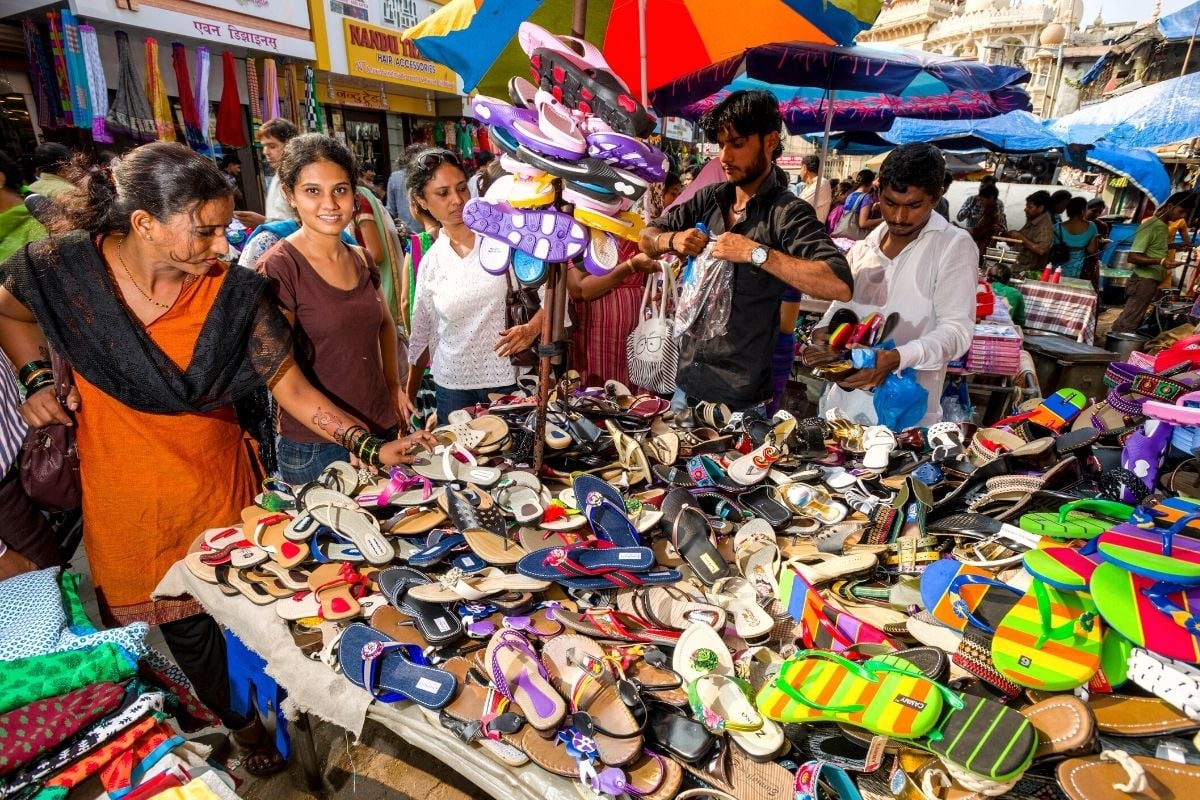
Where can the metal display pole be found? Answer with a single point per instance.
(554, 305)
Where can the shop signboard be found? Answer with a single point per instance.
(216, 28)
(679, 129)
(380, 54)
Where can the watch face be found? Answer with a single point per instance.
(758, 256)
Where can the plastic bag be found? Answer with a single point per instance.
(956, 402)
(900, 401)
(705, 296)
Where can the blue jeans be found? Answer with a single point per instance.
(453, 399)
(303, 462)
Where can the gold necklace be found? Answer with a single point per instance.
(141, 291)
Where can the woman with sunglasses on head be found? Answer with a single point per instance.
(345, 336)
(163, 338)
(458, 322)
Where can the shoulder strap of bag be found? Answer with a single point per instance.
(668, 290)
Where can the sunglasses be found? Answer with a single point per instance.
(432, 159)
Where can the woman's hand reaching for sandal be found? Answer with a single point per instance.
(403, 450)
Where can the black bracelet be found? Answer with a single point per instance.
(38, 385)
(32, 367)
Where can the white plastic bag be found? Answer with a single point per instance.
(706, 297)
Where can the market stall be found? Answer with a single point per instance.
(1068, 307)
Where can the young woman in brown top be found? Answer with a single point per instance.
(345, 334)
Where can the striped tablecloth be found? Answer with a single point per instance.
(1059, 308)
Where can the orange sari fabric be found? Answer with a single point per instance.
(152, 482)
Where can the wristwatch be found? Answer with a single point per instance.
(758, 256)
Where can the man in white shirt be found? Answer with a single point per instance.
(921, 267)
(817, 197)
(273, 135)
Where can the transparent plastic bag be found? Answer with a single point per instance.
(706, 297)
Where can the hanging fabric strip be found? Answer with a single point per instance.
(49, 116)
(290, 102)
(157, 93)
(200, 100)
(187, 103)
(130, 111)
(229, 113)
(310, 103)
(97, 87)
(270, 81)
(256, 115)
(58, 56)
(81, 102)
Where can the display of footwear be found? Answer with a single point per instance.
(548, 235)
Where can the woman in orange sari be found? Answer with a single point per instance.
(163, 338)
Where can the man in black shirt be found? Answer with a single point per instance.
(772, 238)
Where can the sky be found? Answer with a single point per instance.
(1126, 10)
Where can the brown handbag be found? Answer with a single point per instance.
(49, 459)
(521, 304)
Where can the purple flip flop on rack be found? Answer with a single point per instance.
(549, 235)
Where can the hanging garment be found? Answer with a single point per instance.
(229, 113)
(187, 103)
(81, 101)
(200, 100)
(130, 111)
(462, 141)
(288, 97)
(59, 59)
(157, 92)
(41, 77)
(97, 87)
(256, 115)
(484, 142)
(270, 81)
(314, 119)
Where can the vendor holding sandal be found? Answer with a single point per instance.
(920, 267)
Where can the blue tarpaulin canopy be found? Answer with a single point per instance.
(1014, 132)
(1181, 24)
(1142, 167)
(1152, 116)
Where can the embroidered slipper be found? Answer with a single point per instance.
(482, 526)
(1049, 640)
(757, 556)
(1161, 617)
(519, 675)
(391, 671)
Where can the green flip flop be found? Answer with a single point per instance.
(1050, 640)
(1081, 519)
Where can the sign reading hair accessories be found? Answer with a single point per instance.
(380, 54)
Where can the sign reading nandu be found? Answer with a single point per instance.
(380, 54)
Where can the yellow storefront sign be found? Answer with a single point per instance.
(379, 54)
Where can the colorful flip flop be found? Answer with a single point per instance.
(970, 598)
(548, 235)
(885, 699)
(1153, 552)
(936, 581)
(1062, 567)
(1050, 640)
(1159, 616)
(824, 626)
(1082, 519)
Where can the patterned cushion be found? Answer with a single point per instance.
(33, 621)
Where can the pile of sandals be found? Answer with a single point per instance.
(766, 607)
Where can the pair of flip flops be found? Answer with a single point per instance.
(1046, 638)
(889, 696)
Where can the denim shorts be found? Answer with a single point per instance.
(449, 400)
